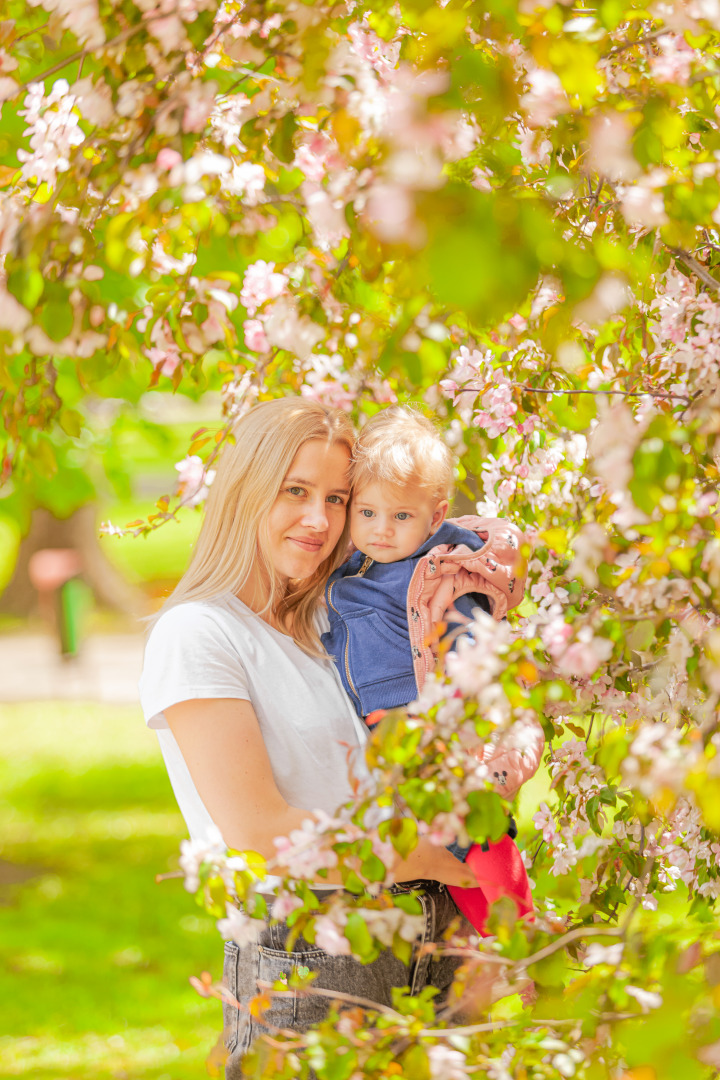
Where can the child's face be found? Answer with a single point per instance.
(389, 523)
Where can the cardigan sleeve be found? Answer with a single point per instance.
(515, 757)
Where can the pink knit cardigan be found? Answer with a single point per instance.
(498, 570)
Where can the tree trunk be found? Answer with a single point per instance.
(78, 533)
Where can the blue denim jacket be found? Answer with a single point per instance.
(368, 637)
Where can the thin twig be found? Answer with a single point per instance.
(652, 35)
(694, 267)
(336, 995)
(89, 51)
(473, 1029)
(562, 390)
(29, 33)
(572, 935)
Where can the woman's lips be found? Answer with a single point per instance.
(307, 544)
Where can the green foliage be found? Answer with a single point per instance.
(95, 954)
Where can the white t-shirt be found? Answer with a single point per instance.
(220, 649)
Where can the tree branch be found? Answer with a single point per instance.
(644, 39)
(694, 267)
(572, 935)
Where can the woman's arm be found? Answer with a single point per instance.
(221, 743)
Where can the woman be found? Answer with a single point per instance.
(253, 722)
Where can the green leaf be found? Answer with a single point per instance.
(71, 422)
(403, 835)
(360, 939)
(487, 819)
(642, 635)
(408, 903)
(373, 868)
(57, 320)
(281, 141)
(26, 286)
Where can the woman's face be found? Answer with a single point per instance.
(308, 516)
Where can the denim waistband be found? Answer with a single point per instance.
(416, 885)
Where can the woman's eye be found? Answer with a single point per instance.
(296, 491)
(336, 499)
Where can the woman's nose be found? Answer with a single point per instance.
(315, 516)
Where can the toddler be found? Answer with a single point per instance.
(412, 571)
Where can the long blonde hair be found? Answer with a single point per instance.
(229, 549)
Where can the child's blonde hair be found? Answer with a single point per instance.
(399, 446)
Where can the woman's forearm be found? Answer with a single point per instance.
(427, 861)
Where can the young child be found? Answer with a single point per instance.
(412, 571)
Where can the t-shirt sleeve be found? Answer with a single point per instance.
(189, 656)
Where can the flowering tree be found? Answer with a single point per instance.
(507, 212)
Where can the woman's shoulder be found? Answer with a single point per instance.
(199, 618)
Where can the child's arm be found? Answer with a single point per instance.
(514, 757)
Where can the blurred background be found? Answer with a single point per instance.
(94, 954)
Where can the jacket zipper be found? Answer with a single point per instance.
(361, 572)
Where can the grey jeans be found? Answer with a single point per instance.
(267, 961)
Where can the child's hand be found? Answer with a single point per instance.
(514, 758)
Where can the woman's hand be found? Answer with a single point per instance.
(435, 864)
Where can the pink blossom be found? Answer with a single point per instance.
(167, 359)
(331, 393)
(579, 659)
(544, 822)
(545, 98)
(309, 163)
(193, 853)
(255, 339)
(284, 905)
(534, 148)
(108, 529)
(326, 215)
(329, 936)
(193, 480)
(286, 328)
(261, 283)
(498, 408)
(446, 1063)
(641, 205)
(674, 62)
(246, 180)
(646, 999)
(239, 927)
(168, 158)
(13, 316)
(389, 210)
(610, 152)
(481, 179)
(381, 55)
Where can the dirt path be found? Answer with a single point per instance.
(108, 669)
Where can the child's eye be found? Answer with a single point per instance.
(366, 513)
(402, 516)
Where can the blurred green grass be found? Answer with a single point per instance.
(94, 955)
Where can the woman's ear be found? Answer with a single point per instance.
(439, 515)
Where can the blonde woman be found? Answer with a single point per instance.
(253, 721)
